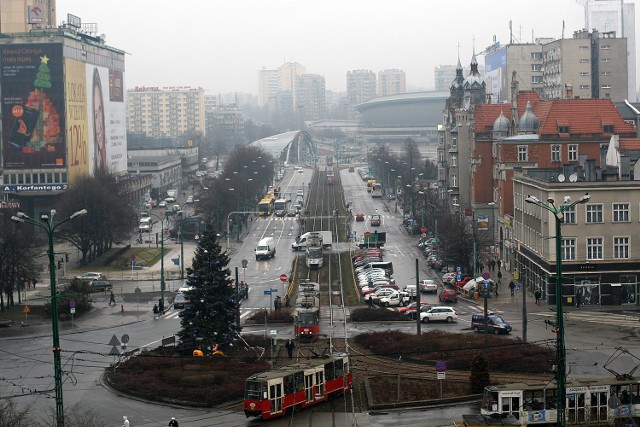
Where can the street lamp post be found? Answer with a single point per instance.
(558, 213)
(162, 284)
(49, 227)
(181, 216)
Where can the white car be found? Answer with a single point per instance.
(162, 204)
(170, 199)
(185, 287)
(91, 276)
(428, 285)
(381, 293)
(397, 299)
(189, 200)
(438, 314)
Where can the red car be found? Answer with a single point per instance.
(360, 217)
(448, 295)
(412, 306)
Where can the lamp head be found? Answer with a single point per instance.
(44, 218)
(532, 199)
(21, 214)
(585, 198)
(567, 199)
(550, 201)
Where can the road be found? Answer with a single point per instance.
(26, 371)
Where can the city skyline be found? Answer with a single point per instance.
(223, 51)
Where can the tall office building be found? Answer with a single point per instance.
(283, 79)
(361, 86)
(391, 82)
(168, 111)
(20, 16)
(606, 16)
(310, 97)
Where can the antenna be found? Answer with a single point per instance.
(573, 177)
(561, 178)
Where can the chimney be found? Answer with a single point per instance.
(568, 91)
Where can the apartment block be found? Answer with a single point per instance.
(391, 82)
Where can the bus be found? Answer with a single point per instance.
(266, 205)
(370, 184)
(280, 207)
(376, 189)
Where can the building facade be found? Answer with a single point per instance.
(310, 97)
(21, 16)
(361, 86)
(282, 79)
(445, 74)
(166, 111)
(391, 82)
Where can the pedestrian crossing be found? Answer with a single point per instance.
(606, 318)
(290, 218)
(175, 313)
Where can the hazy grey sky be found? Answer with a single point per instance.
(220, 44)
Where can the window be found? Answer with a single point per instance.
(454, 181)
(570, 215)
(563, 129)
(536, 79)
(583, 47)
(606, 73)
(605, 47)
(536, 67)
(568, 249)
(454, 161)
(555, 153)
(584, 86)
(621, 247)
(594, 214)
(523, 153)
(573, 153)
(606, 87)
(594, 248)
(584, 73)
(621, 212)
(607, 128)
(605, 60)
(536, 56)
(584, 61)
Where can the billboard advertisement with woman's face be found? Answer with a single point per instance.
(106, 116)
(33, 108)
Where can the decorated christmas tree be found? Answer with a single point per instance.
(47, 130)
(209, 316)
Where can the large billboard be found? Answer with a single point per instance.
(106, 118)
(77, 124)
(495, 71)
(33, 110)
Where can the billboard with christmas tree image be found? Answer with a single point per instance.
(33, 106)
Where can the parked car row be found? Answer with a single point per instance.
(364, 174)
(373, 276)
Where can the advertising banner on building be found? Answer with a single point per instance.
(482, 222)
(77, 124)
(33, 110)
(495, 70)
(106, 119)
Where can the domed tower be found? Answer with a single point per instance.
(475, 88)
(528, 123)
(501, 126)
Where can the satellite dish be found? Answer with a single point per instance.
(561, 177)
(573, 177)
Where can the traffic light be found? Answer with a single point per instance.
(59, 264)
(66, 257)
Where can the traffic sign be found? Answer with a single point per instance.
(486, 276)
(367, 234)
(423, 229)
(283, 277)
(441, 366)
(441, 375)
(26, 309)
(458, 277)
(458, 269)
(72, 310)
(245, 263)
(72, 303)
(267, 292)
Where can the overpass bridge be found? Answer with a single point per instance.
(295, 147)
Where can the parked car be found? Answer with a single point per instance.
(495, 324)
(396, 299)
(100, 285)
(162, 204)
(369, 290)
(170, 199)
(410, 290)
(90, 276)
(448, 295)
(412, 306)
(189, 200)
(360, 217)
(185, 287)
(413, 312)
(179, 301)
(381, 293)
(376, 220)
(428, 285)
(438, 314)
(448, 277)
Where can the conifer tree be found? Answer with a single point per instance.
(210, 312)
(479, 377)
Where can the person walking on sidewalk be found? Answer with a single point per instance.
(512, 287)
(155, 311)
(538, 295)
(125, 421)
(112, 298)
(290, 346)
(173, 422)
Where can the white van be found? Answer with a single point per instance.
(145, 225)
(266, 248)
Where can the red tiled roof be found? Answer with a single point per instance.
(486, 114)
(584, 117)
(632, 144)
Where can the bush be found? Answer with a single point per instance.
(283, 316)
(77, 291)
(502, 354)
(376, 314)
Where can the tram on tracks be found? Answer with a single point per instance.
(589, 401)
(306, 313)
(274, 393)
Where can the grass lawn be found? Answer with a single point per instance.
(117, 259)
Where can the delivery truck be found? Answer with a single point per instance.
(303, 240)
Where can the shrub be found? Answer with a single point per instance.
(479, 377)
(376, 314)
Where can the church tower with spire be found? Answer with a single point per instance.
(474, 86)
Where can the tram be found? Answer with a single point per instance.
(306, 314)
(273, 394)
(589, 401)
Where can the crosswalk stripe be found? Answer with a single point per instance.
(607, 319)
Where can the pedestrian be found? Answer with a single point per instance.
(173, 422)
(112, 298)
(499, 263)
(155, 311)
(538, 295)
(125, 421)
(512, 287)
(34, 281)
(370, 301)
(290, 346)
(578, 299)
(161, 306)
(498, 283)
